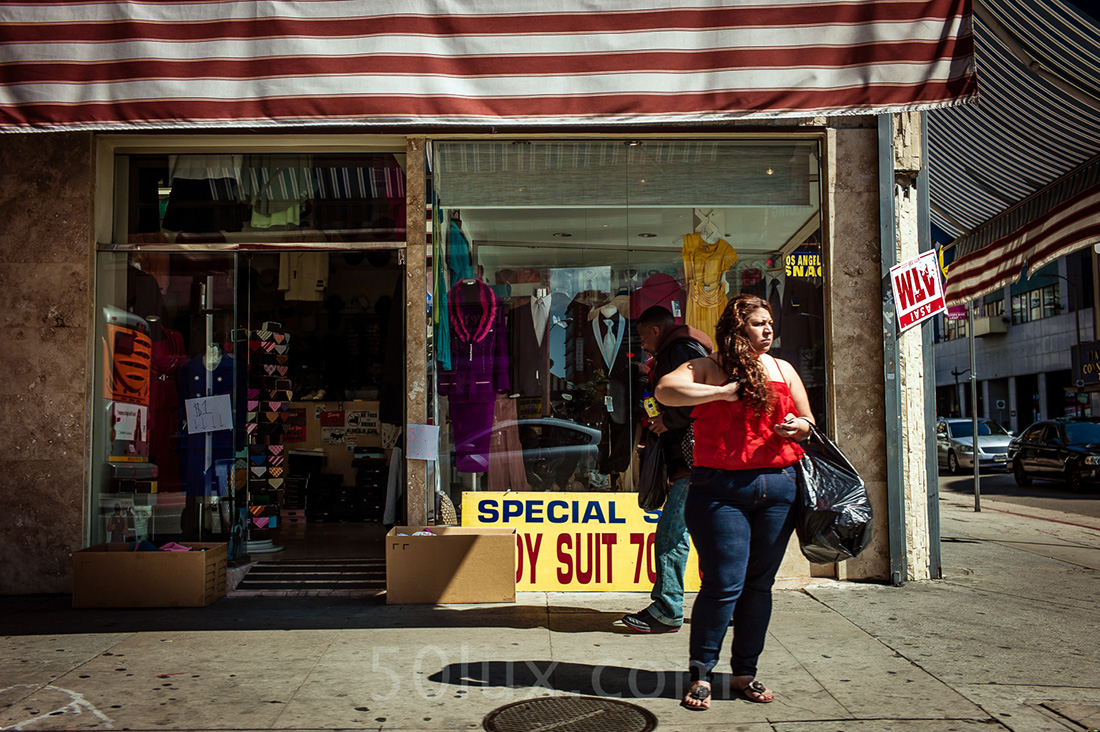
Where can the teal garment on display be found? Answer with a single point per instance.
(460, 267)
(442, 331)
(458, 255)
(439, 301)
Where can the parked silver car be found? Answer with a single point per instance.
(955, 444)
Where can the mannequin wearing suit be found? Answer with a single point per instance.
(602, 343)
(529, 339)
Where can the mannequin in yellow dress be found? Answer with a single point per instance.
(707, 258)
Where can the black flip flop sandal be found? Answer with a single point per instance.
(755, 687)
(699, 693)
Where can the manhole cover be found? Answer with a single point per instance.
(570, 714)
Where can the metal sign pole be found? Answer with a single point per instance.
(974, 407)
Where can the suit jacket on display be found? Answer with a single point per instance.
(589, 357)
(530, 359)
(800, 319)
(199, 451)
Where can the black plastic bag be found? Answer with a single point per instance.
(833, 513)
(653, 479)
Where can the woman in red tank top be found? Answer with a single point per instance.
(750, 412)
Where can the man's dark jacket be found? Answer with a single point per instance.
(678, 344)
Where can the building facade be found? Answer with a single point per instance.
(1025, 336)
(215, 330)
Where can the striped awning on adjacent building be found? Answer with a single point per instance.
(88, 64)
(1038, 65)
(1014, 177)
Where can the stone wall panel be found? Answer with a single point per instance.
(46, 190)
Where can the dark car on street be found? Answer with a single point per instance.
(1058, 449)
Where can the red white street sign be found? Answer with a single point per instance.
(918, 291)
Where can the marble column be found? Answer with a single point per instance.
(854, 294)
(1044, 403)
(416, 321)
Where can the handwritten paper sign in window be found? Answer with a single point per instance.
(422, 441)
(209, 414)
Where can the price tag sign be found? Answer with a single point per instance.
(918, 290)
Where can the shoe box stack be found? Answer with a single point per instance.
(269, 395)
(327, 499)
(371, 472)
(303, 467)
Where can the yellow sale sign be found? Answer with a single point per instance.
(576, 541)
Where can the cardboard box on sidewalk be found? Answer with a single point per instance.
(110, 575)
(455, 565)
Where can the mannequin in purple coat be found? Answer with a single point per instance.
(479, 370)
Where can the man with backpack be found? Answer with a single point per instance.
(670, 344)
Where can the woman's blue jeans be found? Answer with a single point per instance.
(741, 522)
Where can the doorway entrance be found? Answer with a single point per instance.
(340, 316)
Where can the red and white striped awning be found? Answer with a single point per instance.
(87, 64)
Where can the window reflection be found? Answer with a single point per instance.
(271, 197)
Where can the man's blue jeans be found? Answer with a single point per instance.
(741, 522)
(671, 545)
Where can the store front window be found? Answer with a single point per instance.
(546, 254)
(250, 347)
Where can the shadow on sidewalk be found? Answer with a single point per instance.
(574, 678)
(53, 615)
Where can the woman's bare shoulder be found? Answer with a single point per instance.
(708, 371)
(788, 372)
(782, 365)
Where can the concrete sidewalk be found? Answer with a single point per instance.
(1007, 641)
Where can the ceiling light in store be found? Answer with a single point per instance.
(769, 171)
(633, 143)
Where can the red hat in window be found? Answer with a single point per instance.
(658, 289)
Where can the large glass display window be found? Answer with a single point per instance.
(227, 407)
(249, 350)
(547, 252)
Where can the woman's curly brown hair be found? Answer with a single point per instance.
(736, 356)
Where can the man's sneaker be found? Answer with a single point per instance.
(643, 622)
